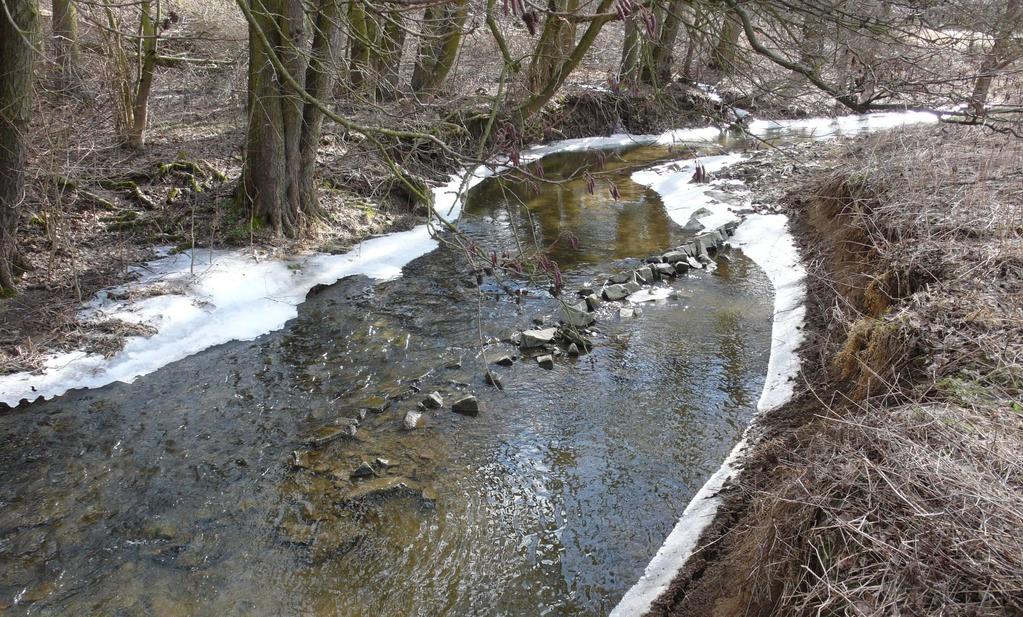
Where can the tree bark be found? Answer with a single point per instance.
(556, 42)
(146, 69)
(278, 178)
(998, 57)
(319, 83)
(387, 56)
(438, 45)
(561, 72)
(19, 38)
(663, 54)
(725, 52)
(65, 40)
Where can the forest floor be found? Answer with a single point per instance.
(892, 482)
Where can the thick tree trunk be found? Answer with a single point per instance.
(19, 38)
(278, 178)
(438, 45)
(555, 44)
(65, 40)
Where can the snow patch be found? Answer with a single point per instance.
(231, 296)
(682, 199)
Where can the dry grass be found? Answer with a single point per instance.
(894, 484)
(905, 495)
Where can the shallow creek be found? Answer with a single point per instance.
(220, 485)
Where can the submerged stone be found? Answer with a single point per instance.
(545, 361)
(325, 434)
(364, 470)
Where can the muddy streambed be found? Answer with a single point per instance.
(222, 484)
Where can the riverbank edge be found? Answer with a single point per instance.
(784, 363)
(746, 558)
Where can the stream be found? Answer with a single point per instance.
(222, 484)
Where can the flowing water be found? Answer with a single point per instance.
(212, 487)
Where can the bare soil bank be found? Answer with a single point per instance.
(892, 484)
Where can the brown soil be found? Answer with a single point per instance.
(891, 483)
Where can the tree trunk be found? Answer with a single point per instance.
(561, 72)
(725, 52)
(65, 40)
(998, 56)
(387, 55)
(632, 54)
(663, 55)
(19, 37)
(278, 178)
(555, 44)
(360, 39)
(147, 67)
(319, 83)
(438, 45)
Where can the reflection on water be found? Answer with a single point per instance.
(221, 484)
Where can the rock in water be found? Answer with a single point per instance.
(545, 361)
(621, 277)
(573, 350)
(665, 270)
(537, 338)
(673, 256)
(364, 470)
(433, 401)
(615, 292)
(644, 275)
(632, 287)
(493, 380)
(467, 406)
(411, 420)
(592, 302)
(502, 360)
(576, 315)
(626, 312)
